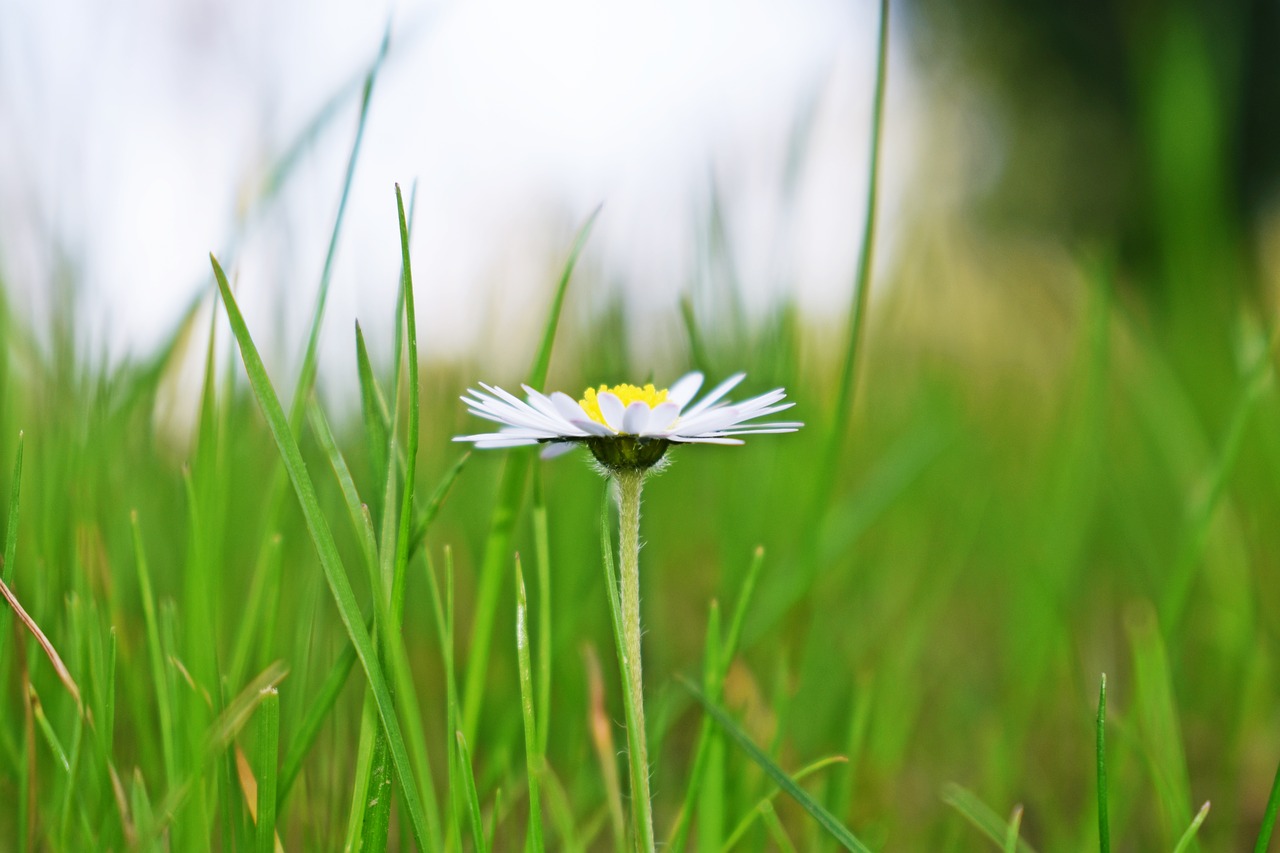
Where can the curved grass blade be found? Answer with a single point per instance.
(983, 818)
(1184, 843)
(497, 547)
(330, 560)
(1011, 835)
(824, 818)
(740, 830)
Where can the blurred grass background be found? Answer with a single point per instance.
(1063, 460)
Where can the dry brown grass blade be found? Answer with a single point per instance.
(64, 675)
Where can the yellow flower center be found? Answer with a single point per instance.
(628, 394)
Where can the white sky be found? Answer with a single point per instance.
(130, 132)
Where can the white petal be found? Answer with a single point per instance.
(568, 407)
(560, 448)
(544, 405)
(635, 420)
(592, 428)
(498, 443)
(716, 393)
(612, 409)
(662, 418)
(684, 389)
(705, 440)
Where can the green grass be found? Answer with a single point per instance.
(257, 630)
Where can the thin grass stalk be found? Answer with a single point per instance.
(1104, 828)
(532, 758)
(846, 391)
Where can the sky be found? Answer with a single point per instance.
(132, 135)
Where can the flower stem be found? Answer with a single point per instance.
(630, 483)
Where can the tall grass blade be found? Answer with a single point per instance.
(472, 800)
(497, 547)
(825, 819)
(267, 746)
(330, 560)
(1104, 828)
(846, 390)
(533, 760)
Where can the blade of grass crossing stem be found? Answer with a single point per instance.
(1014, 830)
(1104, 823)
(497, 547)
(532, 760)
(470, 796)
(1188, 837)
(711, 788)
(678, 835)
(846, 390)
(641, 820)
(731, 843)
(542, 552)
(331, 562)
(411, 439)
(981, 816)
(1269, 816)
(267, 744)
(824, 818)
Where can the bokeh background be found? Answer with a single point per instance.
(1063, 456)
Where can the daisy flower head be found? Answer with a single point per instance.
(626, 427)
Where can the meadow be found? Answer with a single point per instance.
(297, 627)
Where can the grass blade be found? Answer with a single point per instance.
(330, 560)
(542, 553)
(1011, 835)
(1269, 816)
(267, 744)
(1104, 828)
(824, 818)
(470, 796)
(716, 672)
(983, 818)
(533, 760)
(846, 391)
(740, 830)
(497, 547)
(1184, 843)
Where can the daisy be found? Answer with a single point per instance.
(628, 429)
(625, 426)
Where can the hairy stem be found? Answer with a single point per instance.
(630, 483)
